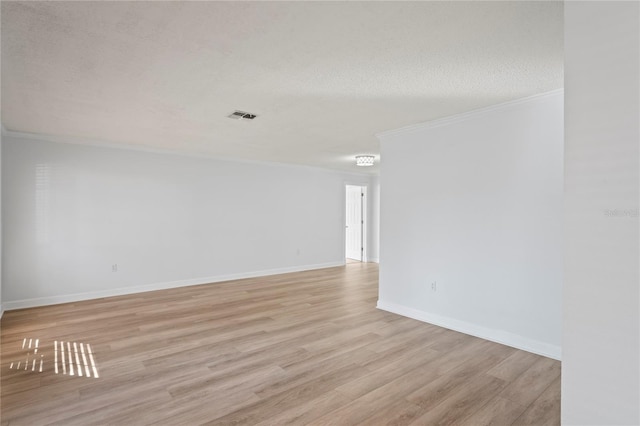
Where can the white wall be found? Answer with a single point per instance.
(73, 211)
(1, 305)
(374, 221)
(474, 204)
(373, 227)
(601, 356)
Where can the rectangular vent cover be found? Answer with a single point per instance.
(241, 115)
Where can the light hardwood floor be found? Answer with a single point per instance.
(301, 348)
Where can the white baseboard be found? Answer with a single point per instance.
(67, 298)
(498, 336)
(373, 260)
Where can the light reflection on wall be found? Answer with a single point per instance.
(43, 181)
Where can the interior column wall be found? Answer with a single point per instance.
(601, 342)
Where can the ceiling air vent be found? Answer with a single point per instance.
(241, 115)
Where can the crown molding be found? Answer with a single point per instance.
(71, 140)
(445, 121)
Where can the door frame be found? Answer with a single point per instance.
(364, 187)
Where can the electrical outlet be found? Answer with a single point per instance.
(114, 267)
(434, 286)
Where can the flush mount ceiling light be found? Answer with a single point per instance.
(365, 160)
(241, 115)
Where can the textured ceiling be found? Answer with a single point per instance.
(323, 77)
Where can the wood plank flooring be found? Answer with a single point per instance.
(306, 348)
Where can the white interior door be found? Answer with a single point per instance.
(354, 223)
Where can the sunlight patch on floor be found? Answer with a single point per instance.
(69, 358)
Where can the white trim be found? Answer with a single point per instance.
(494, 335)
(373, 260)
(54, 300)
(466, 115)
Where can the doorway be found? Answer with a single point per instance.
(355, 219)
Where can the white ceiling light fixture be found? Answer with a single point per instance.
(365, 160)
